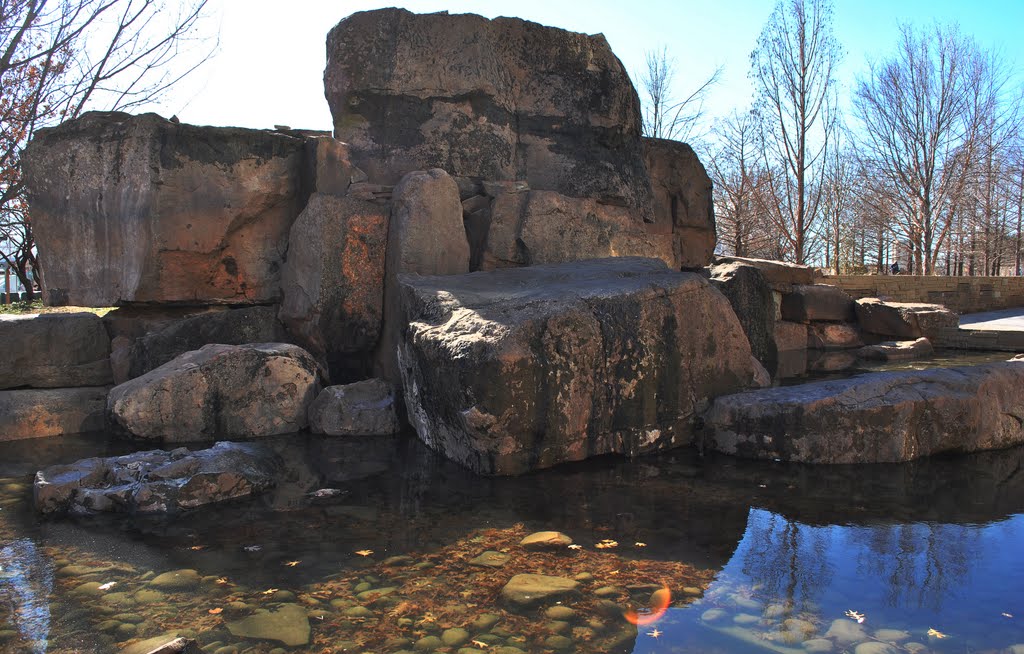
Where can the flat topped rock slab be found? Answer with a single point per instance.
(157, 481)
(904, 320)
(874, 418)
(897, 350)
(780, 274)
(525, 368)
(258, 389)
(54, 351)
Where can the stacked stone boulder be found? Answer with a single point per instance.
(54, 376)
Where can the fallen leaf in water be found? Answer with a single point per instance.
(270, 591)
(606, 544)
(216, 611)
(252, 548)
(639, 544)
(196, 548)
(935, 633)
(221, 581)
(1007, 615)
(655, 634)
(108, 585)
(479, 643)
(854, 615)
(364, 552)
(292, 564)
(574, 546)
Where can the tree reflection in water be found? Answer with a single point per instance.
(26, 581)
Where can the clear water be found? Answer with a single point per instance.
(802, 366)
(743, 547)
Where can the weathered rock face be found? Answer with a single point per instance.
(160, 211)
(54, 350)
(833, 336)
(535, 227)
(526, 368)
(751, 298)
(220, 390)
(333, 281)
(501, 99)
(903, 320)
(877, 418)
(135, 357)
(790, 336)
(34, 413)
(781, 275)
(156, 481)
(365, 408)
(426, 236)
(817, 302)
(683, 205)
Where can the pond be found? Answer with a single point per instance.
(704, 554)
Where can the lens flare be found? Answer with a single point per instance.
(660, 599)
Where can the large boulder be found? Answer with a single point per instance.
(365, 408)
(875, 418)
(156, 481)
(133, 357)
(904, 320)
(807, 302)
(54, 350)
(683, 206)
(502, 99)
(524, 368)
(426, 236)
(781, 275)
(333, 281)
(142, 209)
(751, 298)
(833, 336)
(534, 227)
(34, 413)
(220, 391)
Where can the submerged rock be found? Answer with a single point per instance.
(545, 540)
(156, 481)
(525, 368)
(250, 390)
(897, 350)
(287, 623)
(527, 590)
(874, 418)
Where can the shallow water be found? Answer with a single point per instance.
(802, 366)
(757, 556)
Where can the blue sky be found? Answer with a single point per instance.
(270, 64)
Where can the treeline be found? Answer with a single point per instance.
(925, 169)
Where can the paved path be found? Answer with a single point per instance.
(1007, 320)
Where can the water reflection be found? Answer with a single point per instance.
(930, 544)
(26, 581)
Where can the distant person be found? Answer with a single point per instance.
(895, 268)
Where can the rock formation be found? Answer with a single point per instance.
(683, 204)
(879, 418)
(525, 368)
(34, 413)
(161, 211)
(53, 351)
(366, 408)
(220, 391)
(156, 481)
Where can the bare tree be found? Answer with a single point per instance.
(59, 58)
(793, 71)
(925, 113)
(735, 168)
(837, 205)
(665, 117)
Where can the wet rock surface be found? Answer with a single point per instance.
(875, 418)
(525, 368)
(157, 481)
(220, 390)
(36, 413)
(897, 350)
(365, 408)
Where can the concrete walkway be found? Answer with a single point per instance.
(1007, 320)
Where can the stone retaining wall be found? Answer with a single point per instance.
(961, 294)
